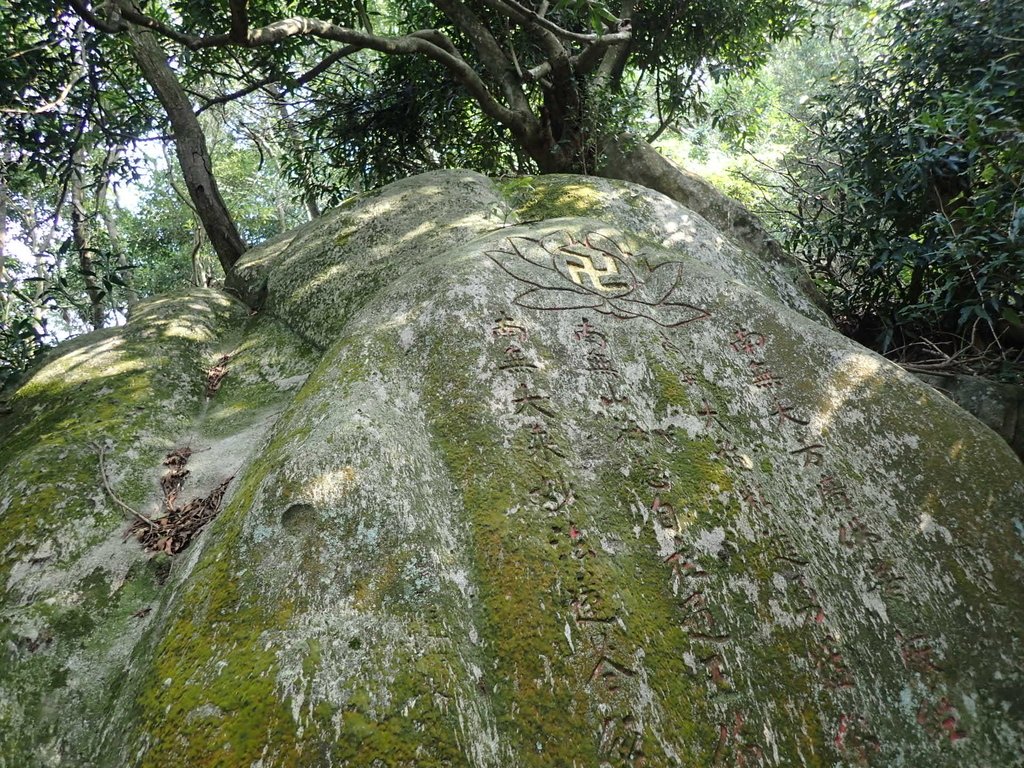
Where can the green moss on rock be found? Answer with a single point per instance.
(490, 508)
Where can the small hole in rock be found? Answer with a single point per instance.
(297, 517)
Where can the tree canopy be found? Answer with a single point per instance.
(497, 81)
(358, 93)
(905, 192)
(902, 189)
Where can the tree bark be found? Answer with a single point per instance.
(199, 277)
(6, 297)
(3, 226)
(613, 63)
(193, 154)
(107, 208)
(82, 238)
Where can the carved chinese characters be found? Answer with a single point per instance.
(702, 453)
(598, 647)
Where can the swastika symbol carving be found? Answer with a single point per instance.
(562, 272)
(580, 265)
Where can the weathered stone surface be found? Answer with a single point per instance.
(598, 489)
(1000, 406)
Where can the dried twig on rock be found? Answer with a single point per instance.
(140, 518)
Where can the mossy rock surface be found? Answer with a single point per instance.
(529, 473)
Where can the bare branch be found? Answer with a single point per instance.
(522, 13)
(101, 448)
(584, 62)
(614, 59)
(50, 105)
(493, 57)
(437, 38)
(550, 41)
(110, 27)
(595, 53)
(164, 30)
(326, 63)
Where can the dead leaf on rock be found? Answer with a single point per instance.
(174, 478)
(175, 531)
(215, 376)
(178, 457)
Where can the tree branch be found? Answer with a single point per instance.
(239, 21)
(614, 59)
(110, 27)
(191, 148)
(429, 43)
(417, 43)
(595, 53)
(524, 14)
(102, 449)
(49, 106)
(191, 42)
(515, 113)
(326, 63)
(491, 54)
(584, 62)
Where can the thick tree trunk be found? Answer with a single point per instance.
(107, 206)
(83, 244)
(292, 143)
(190, 145)
(630, 158)
(3, 228)
(6, 297)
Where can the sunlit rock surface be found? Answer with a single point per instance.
(544, 472)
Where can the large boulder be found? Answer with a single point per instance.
(540, 472)
(1000, 406)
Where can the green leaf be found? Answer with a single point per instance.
(1012, 316)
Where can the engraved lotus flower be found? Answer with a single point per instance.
(595, 273)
